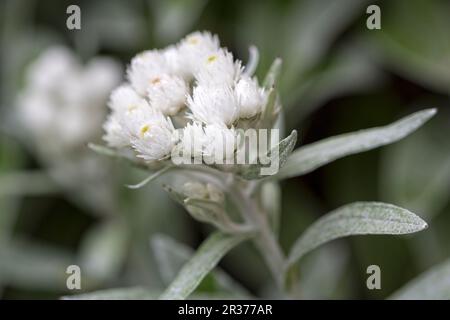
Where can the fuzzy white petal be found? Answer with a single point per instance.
(144, 68)
(214, 105)
(168, 94)
(250, 96)
(218, 68)
(195, 47)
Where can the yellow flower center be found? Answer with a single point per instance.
(145, 129)
(212, 58)
(155, 80)
(131, 108)
(193, 40)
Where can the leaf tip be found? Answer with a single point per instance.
(430, 112)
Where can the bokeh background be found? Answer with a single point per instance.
(337, 77)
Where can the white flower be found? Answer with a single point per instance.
(150, 133)
(63, 102)
(160, 83)
(100, 75)
(36, 112)
(168, 94)
(192, 140)
(214, 105)
(176, 64)
(145, 68)
(52, 67)
(212, 142)
(115, 136)
(251, 97)
(123, 99)
(195, 47)
(220, 144)
(218, 68)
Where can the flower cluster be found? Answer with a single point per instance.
(63, 102)
(188, 97)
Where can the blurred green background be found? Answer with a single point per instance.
(337, 77)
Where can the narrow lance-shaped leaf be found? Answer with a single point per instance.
(315, 155)
(433, 284)
(204, 260)
(285, 147)
(253, 60)
(272, 74)
(356, 219)
(172, 255)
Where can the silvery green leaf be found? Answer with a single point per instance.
(174, 194)
(253, 60)
(172, 255)
(208, 211)
(103, 250)
(273, 73)
(433, 284)
(315, 155)
(132, 293)
(285, 147)
(214, 213)
(270, 111)
(204, 260)
(356, 219)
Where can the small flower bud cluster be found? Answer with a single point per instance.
(195, 79)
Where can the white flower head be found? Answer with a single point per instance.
(251, 97)
(175, 62)
(214, 105)
(123, 99)
(150, 132)
(100, 75)
(195, 47)
(218, 68)
(213, 143)
(115, 136)
(144, 68)
(220, 144)
(168, 94)
(51, 68)
(63, 101)
(192, 140)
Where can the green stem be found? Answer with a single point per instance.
(265, 241)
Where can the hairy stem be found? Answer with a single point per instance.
(265, 240)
